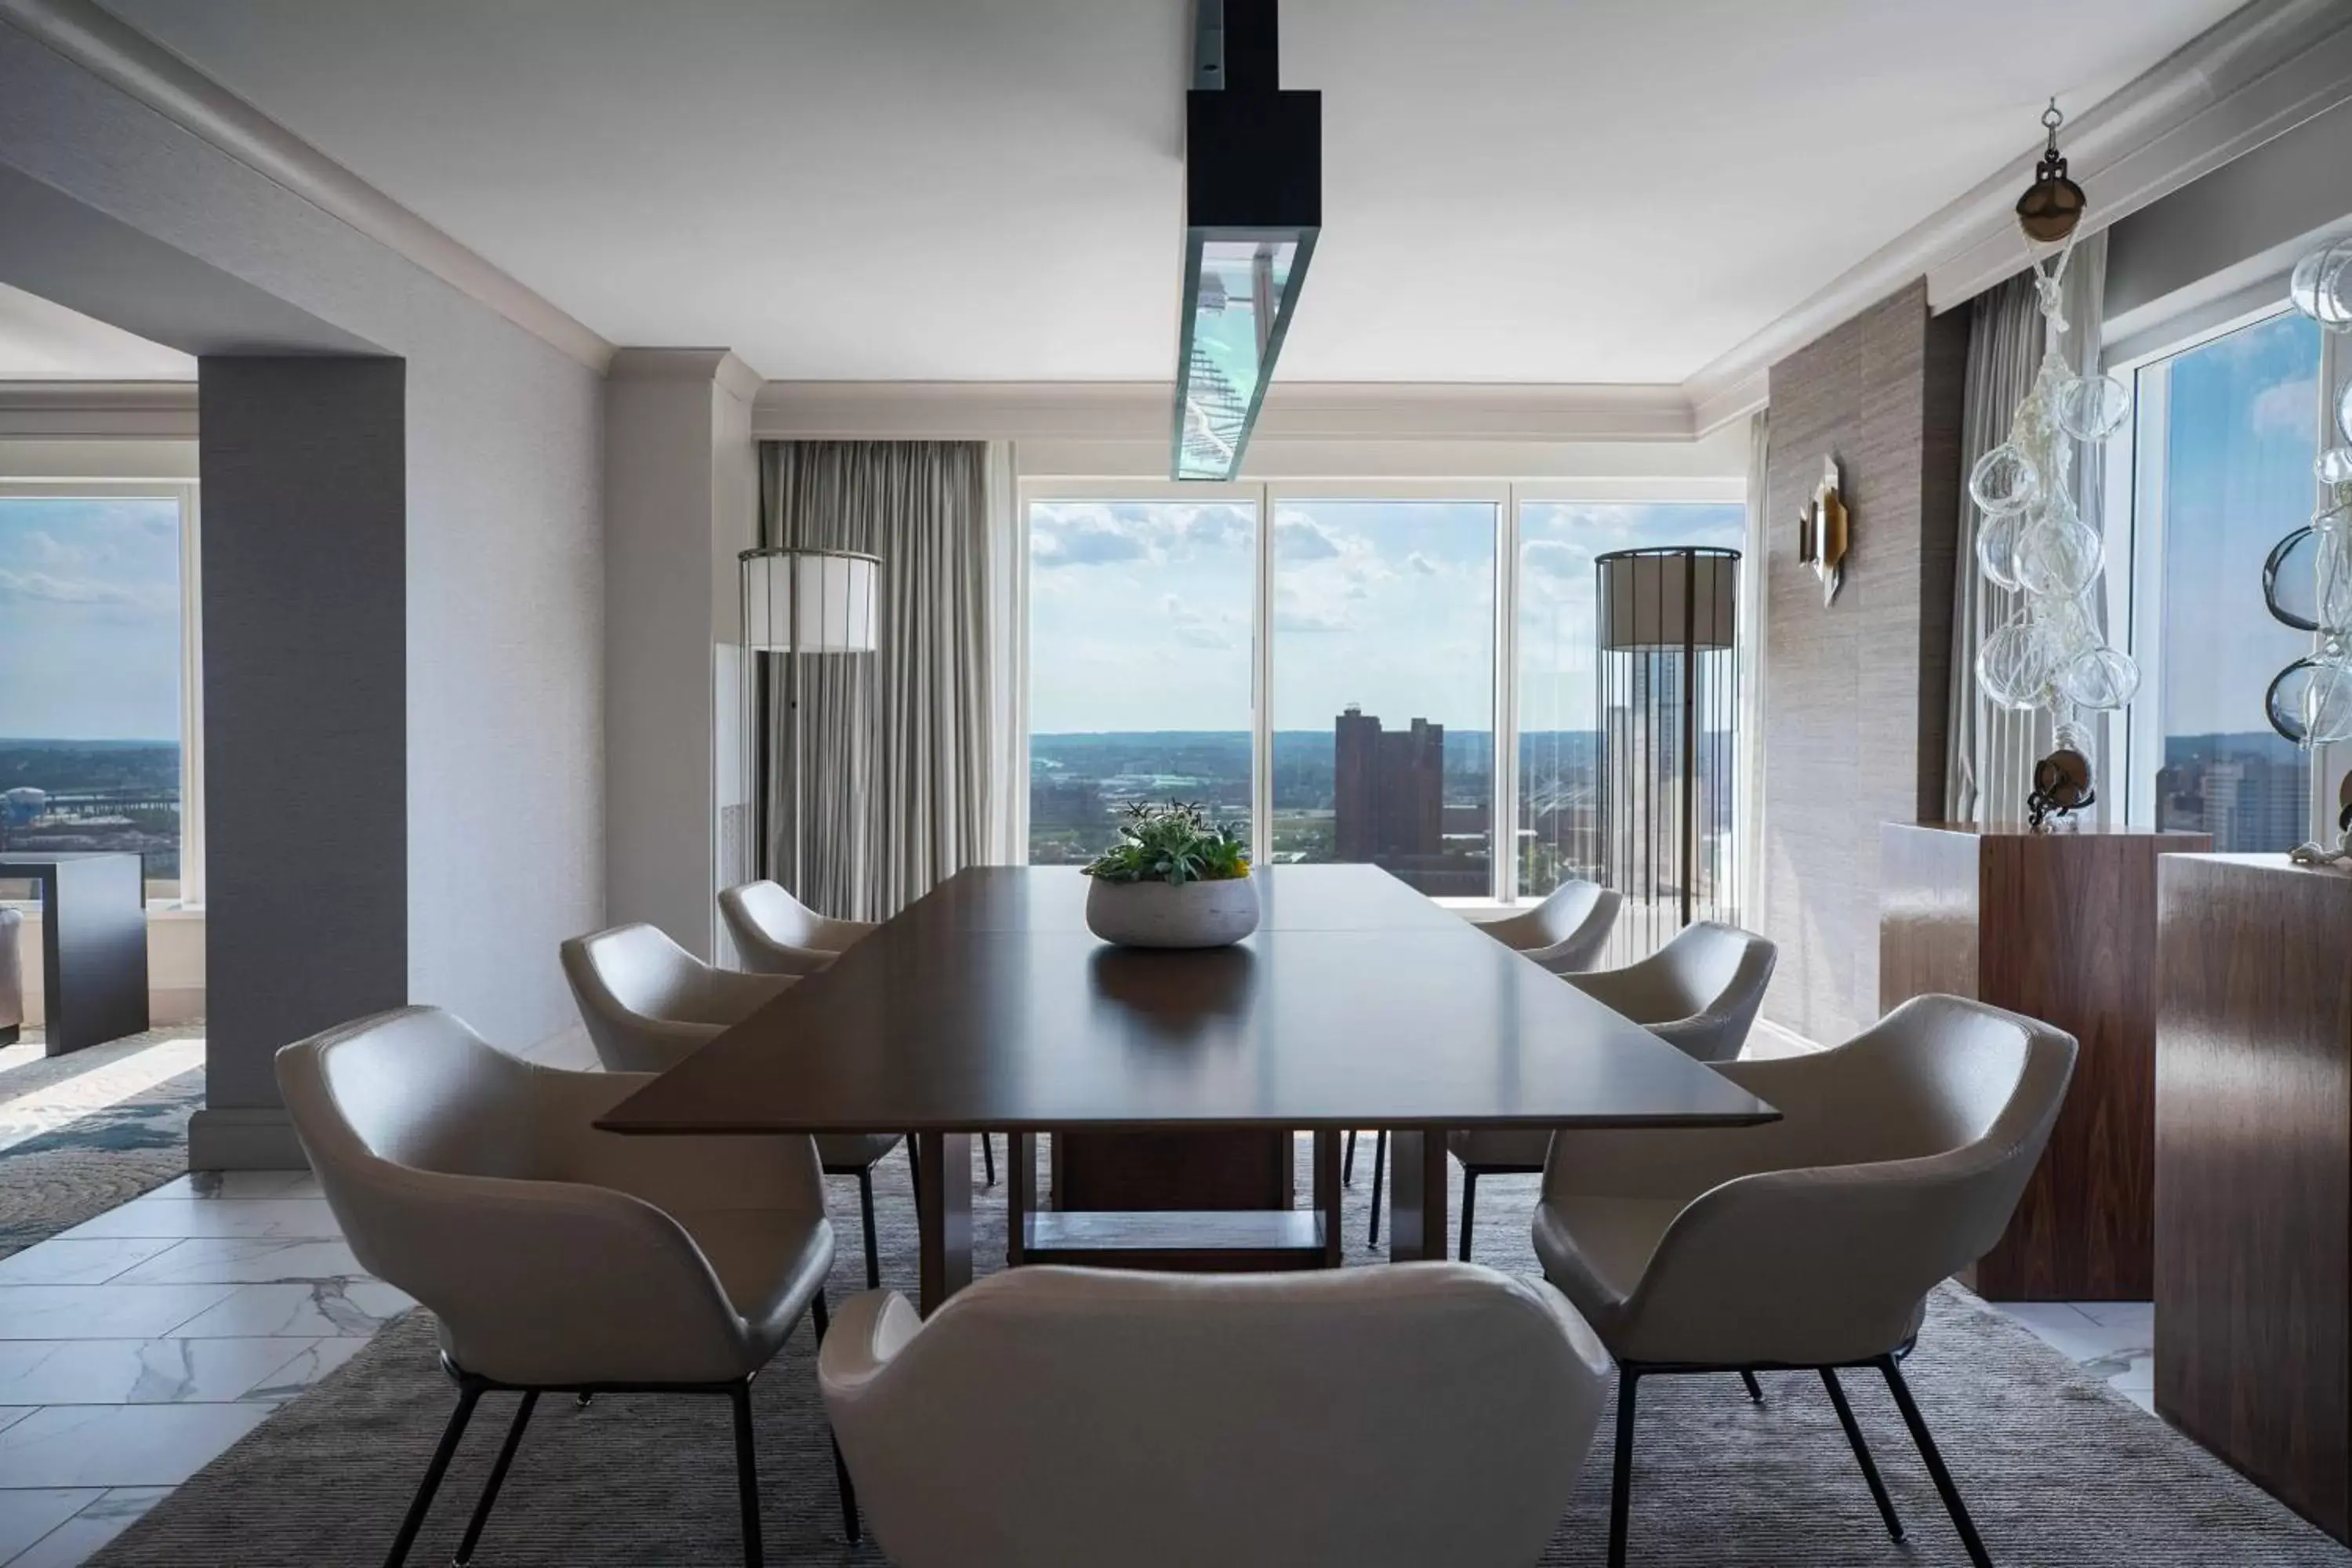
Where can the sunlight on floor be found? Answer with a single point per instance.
(113, 1075)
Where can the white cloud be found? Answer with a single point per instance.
(40, 587)
(2287, 409)
(1200, 628)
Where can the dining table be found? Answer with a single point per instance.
(987, 1005)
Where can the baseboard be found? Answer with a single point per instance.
(244, 1139)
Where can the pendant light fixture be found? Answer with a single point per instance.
(1253, 207)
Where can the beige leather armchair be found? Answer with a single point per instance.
(555, 1256)
(1402, 1415)
(778, 934)
(1811, 1242)
(1699, 993)
(1566, 932)
(648, 1005)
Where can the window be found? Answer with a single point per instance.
(1558, 721)
(1394, 632)
(2222, 448)
(96, 721)
(1384, 688)
(1140, 659)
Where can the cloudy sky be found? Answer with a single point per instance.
(1140, 613)
(2237, 469)
(89, 619)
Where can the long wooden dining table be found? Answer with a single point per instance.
(987, 1005)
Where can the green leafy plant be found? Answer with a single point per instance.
(1175, 843)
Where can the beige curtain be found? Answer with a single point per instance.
(894, 746)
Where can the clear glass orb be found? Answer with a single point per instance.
(2331, 572)
(2093, 407)
(2291, 580)
(2060, 555)
(2310, 703)
(2004, 481)
(2344, 411)
(2099, 679)
(2321, 285)
(2333, 466)
(2015, 664)
(1997, 550)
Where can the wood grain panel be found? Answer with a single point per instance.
(2254, 1176)
(2061, 927)
(1252, 1169)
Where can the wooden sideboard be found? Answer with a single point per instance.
(2253, 1171)
(2060, 926)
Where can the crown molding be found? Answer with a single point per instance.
(722, 367)
(165, 82)
(1144, 411)
(98, 410)
(2256, 74)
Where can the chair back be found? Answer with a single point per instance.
(645, 1001)
(763, 912)
(1566, 932)
(1700, 992)
(1420, 1414)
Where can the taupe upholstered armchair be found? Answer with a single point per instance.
(1699, 993)
(778, 934)
(1402, 1415)
(555, 1256)
(648, 1005)
(1812, 1242)
(1566, 932)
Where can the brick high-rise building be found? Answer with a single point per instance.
(1389, 789)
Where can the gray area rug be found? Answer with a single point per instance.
(2059, 1470)
(101, 1158)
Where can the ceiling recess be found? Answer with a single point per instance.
(1253, 207)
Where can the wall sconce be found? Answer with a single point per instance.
(1820, 534)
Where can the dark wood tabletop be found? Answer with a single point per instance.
(988, 1006)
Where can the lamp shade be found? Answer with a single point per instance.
(1678, 598)
(808, 600)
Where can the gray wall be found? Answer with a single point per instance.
(504, 570)
(1855, 693)
(305, 610)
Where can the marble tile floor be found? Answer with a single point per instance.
(136, 1347)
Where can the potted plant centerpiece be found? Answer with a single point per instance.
(1174, 879)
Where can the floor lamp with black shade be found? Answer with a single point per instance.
(1667, 666)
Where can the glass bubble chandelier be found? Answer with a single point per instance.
(2051, 653)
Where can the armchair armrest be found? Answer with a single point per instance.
(868, 1330)
(728, 996)
(678, 1174)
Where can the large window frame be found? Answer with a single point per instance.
(1508, 496)
(2134, 526)
(190, 893)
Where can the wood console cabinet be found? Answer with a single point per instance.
(2060, 926)
(2253, 1171)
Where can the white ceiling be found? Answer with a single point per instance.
(44, 342)
(1609, 191)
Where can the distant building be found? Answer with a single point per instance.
(2250, 803)
(19, 806)
(1387, 791)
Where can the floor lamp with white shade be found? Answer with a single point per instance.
(796, 602)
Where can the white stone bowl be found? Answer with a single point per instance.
(1183, 914)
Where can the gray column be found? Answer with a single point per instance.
(306, 753)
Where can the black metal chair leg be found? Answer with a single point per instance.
(747, 1472)
(988, 1157)
(849, 1521)
(1755, 1389)
(469, 1393)
(818, 1317)
(498, 1478)
(1862, 1452)
(1621, 1484)
(1348, 1163)
(865, 1212)
(1379, 1169)
(1927, 1451)
(1469, 1207)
